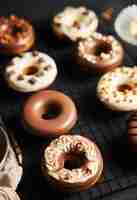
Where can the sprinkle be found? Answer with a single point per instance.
(117, 101)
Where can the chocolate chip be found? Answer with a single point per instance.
(86, 12)
(40, 74)
(20, 78)
(32, 81)
(88, 171)
(47, 67)
(20, 55)
(76, 24)
(57, 24)
(35, 53)
(41, 60)
(8, 74)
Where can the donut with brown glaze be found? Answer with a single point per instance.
(16, 35)
(49, 112)
(132, 132)
(99, 53)
(83, 153)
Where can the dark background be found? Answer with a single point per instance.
(107, 128)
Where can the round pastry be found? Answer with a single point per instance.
(16, 35)
(49, 112)
(84, 167)
(30, 72)
(6, 193)
(126, 24)
(118, 89)
(99, 53)
(132, 132)
(75, 23)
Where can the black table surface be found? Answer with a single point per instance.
(106, 128)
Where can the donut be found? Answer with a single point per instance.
(49, 112)
(126, 24)
(6, 193)
(74, 23)
(30, 72)
(16, 35)
(132, 132)
(84, 170)
(99, 53)
(117, 89)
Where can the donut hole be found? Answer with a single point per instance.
(32, 70)
(51, 111)
(124, 88)
(74, 160)
(102, 47)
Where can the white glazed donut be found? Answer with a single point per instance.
(30, 72)
(75, 23)
(126, 24)
(117, 89)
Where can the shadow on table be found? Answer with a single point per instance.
(122, 155)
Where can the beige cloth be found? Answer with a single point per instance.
(11, 172)
(8, 194)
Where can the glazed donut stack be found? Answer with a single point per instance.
(50, 113)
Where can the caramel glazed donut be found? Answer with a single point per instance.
(6, 193)
(99, 53)
(16, 35)
(49, 112)
(68, 147)
(75, 23)
(31, 71)
(117, 89)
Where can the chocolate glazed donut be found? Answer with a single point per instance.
(132, 132)
(49, 113)
(16, 35)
